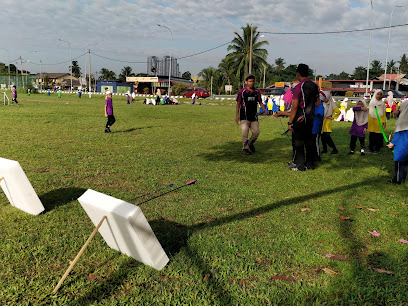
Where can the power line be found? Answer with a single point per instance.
(333, 32)
(116, 60)
(44, 64)
(227, 43)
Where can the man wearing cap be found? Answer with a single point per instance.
(109, 112)
(246, 113)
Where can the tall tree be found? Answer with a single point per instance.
(376, 69)
(126, 72)
(206, 75)
(404, 64)
(344, 76)
(186, 75)
(241, 45)
(360, 73)
(76, 70)
(107, 75)
(280, 65)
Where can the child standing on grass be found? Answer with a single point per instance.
(375, 140)
(359, 127)
(14, 99)
(246, 113)
(331, 112)
(318, 124)
(400, 145)
(109, 112)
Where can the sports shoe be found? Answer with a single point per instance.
(375, 152)
(351, 152)
(334, 151)
(251, 147)
(297, 169)
(107, 130)
(393, 181)
(291, 165)
(246, 152)
(362, 152)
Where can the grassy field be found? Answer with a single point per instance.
(249, 232)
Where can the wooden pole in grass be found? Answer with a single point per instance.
(1, 178)
(79, 255)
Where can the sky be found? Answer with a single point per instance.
(125, 32)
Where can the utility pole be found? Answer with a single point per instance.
(21, 67)
(264, 77)
(250, 50)
(90, 84)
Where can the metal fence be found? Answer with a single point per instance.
(19, 80)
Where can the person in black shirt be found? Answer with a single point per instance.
(246, 114)
(301, 118)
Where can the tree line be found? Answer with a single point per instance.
(233, 68)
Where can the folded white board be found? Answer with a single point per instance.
(125, 229)
(18, 188)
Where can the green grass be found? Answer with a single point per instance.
(240, 225)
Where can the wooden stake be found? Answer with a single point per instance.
(1, 178)
(79, 255)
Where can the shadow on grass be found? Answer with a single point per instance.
(133, 129)
(174, 237)
(60, 197)
(369, 286)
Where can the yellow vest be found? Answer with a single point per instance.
(373, 125)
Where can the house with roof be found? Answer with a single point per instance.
(62, 80)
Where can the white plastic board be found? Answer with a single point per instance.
(17, 187)
(125, 229)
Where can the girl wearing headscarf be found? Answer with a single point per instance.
(375, 140)
(388, 104)
(331, 112)
(400, 145)
(359, 126)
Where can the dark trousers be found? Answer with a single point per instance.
(400, 171)
(14, 100)
(327, 141)
(111, 121)
(375, 142)
(304, 139)
(353, 142)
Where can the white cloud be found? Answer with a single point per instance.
(127, 30)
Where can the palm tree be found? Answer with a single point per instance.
(241, 46)
(107, 75)
(126, 72)
(206, 75)
(360, 73)
(226, 71)
(76, 70)
(404, 64)
(390, 66)
(376, 69)
(280, 65)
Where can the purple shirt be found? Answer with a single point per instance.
(357, 130)
(109, 106)
(14, 93)
(297, 93)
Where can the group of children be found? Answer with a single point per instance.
(371, 119)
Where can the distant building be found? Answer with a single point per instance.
(161, 66)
